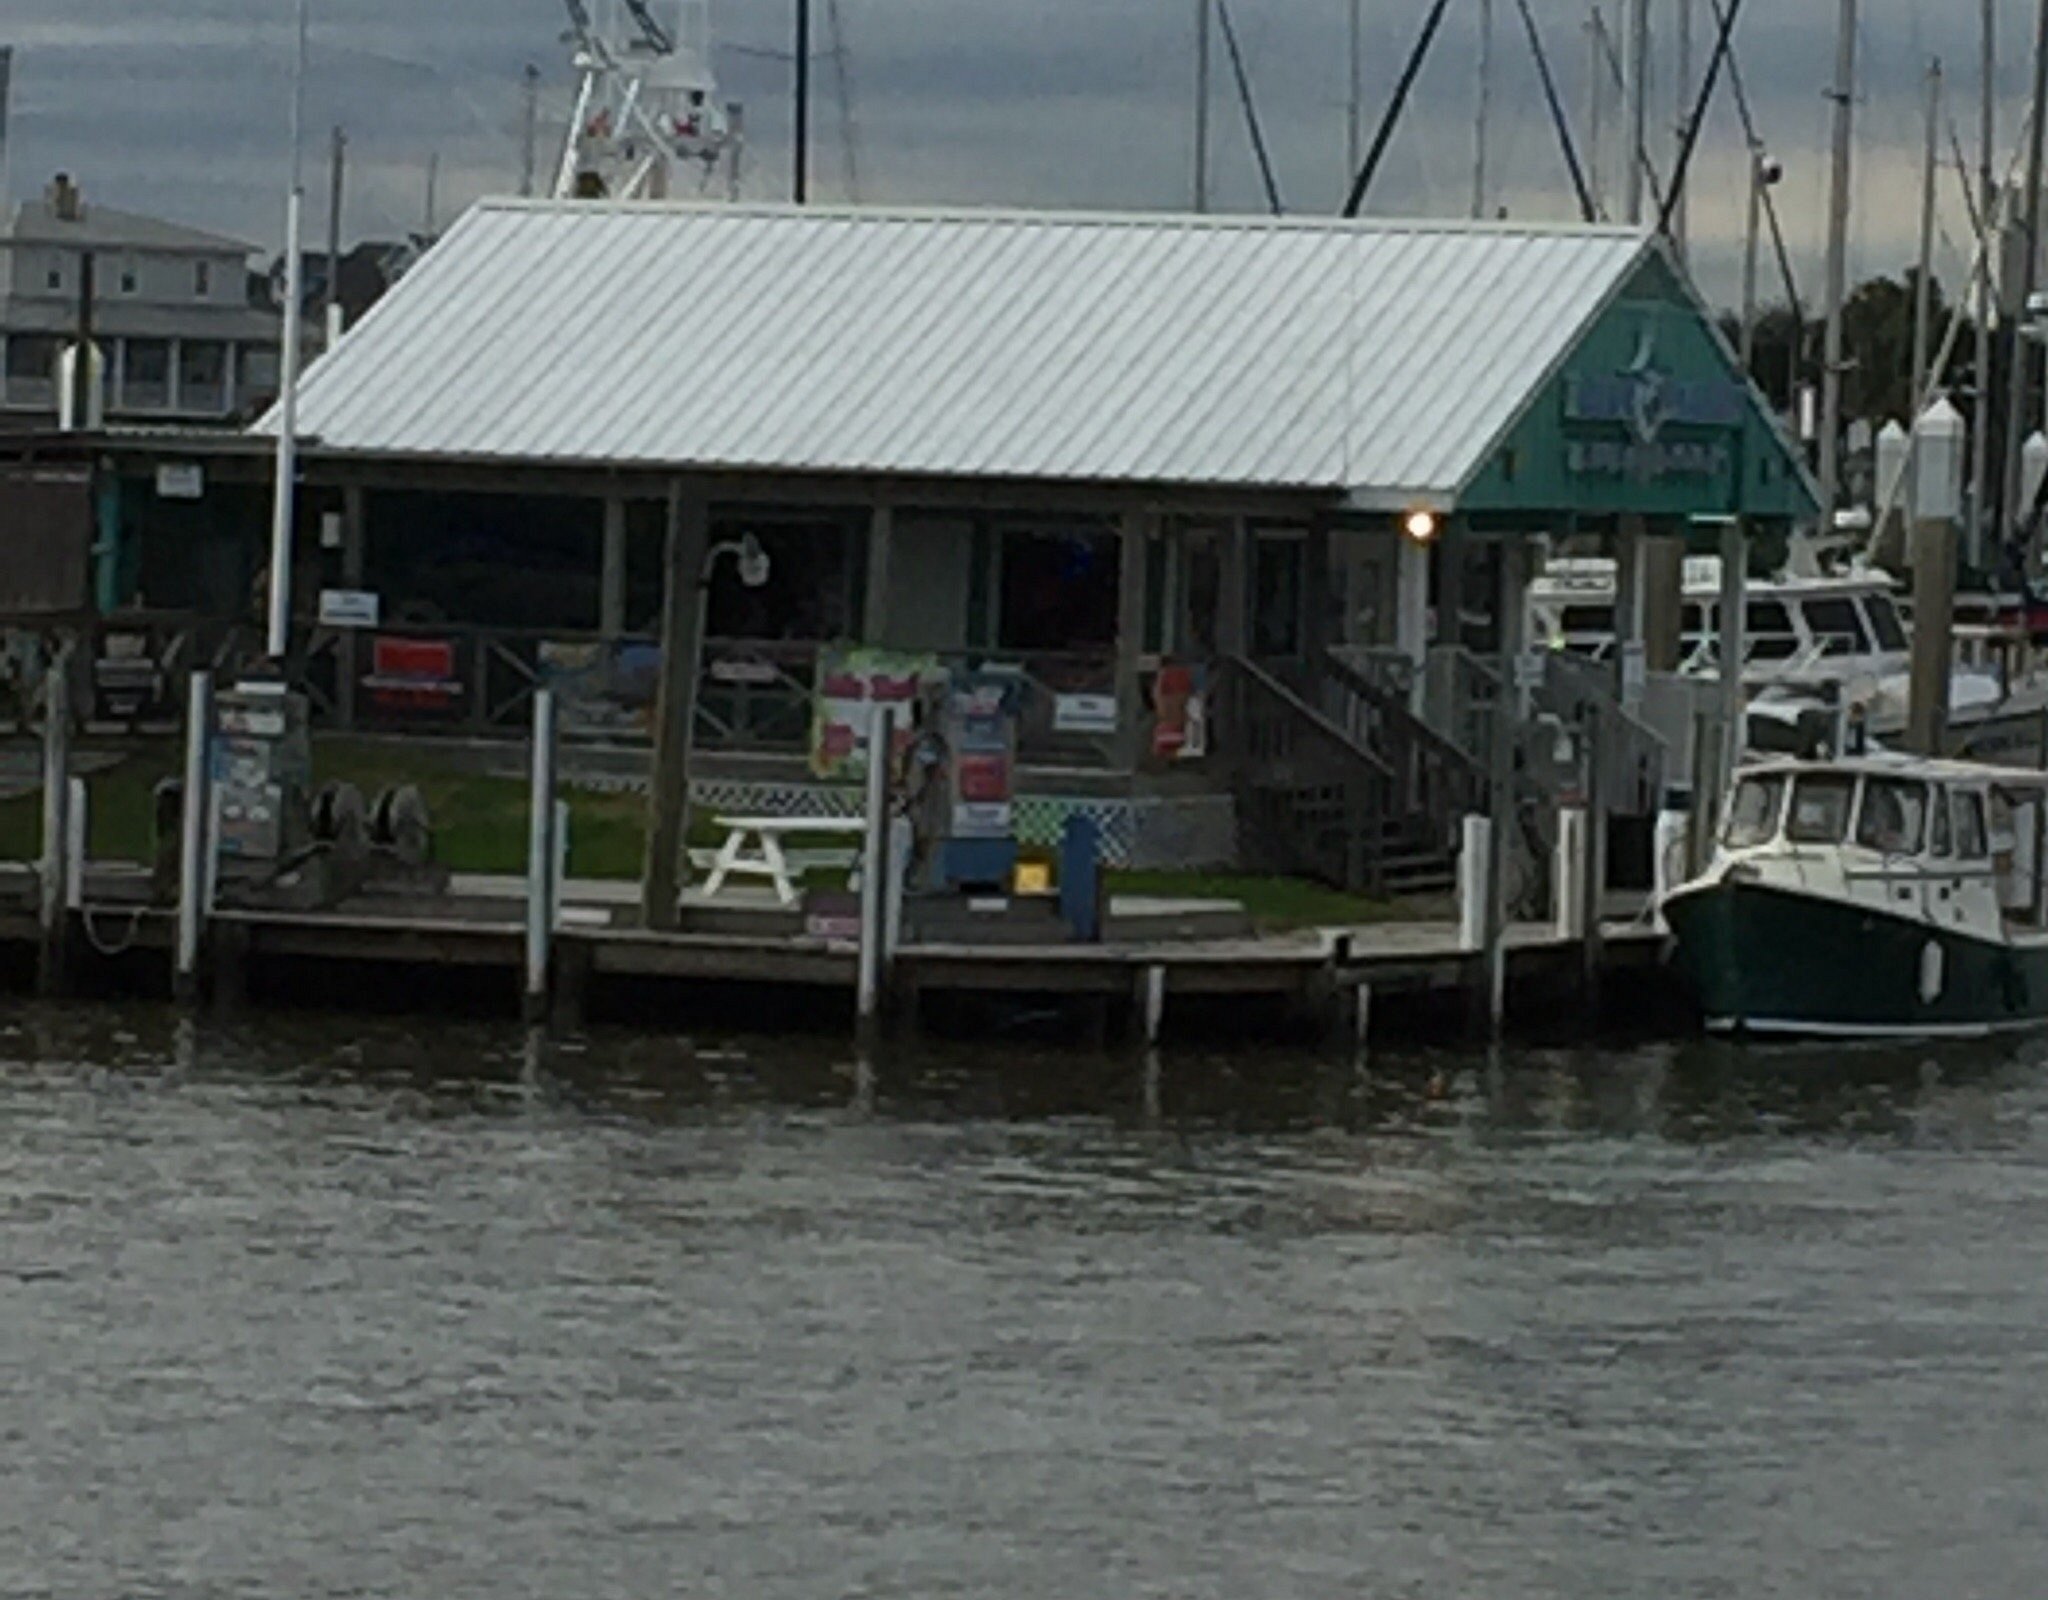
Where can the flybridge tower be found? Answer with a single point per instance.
(647, 105)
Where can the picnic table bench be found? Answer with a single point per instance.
(753, 848)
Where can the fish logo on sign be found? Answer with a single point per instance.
(1649, 389)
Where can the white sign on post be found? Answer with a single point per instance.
(178, 480)
(349, 608)
(1084, 713)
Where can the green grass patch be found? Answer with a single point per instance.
(480, 825)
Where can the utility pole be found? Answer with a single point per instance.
(2017, 409)
(1637, 117)
(531, 161)
(336, 173)
(1844, 94)
(1482, 130)
(433, 194)
(1204, 65)
(1987, 185)
(800, 181)
(1681, 207)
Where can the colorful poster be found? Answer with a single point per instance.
(852, 681)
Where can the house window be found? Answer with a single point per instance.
(54, 279)
(130, 284)
(202, 278)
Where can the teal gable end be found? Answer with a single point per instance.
(1649, 415)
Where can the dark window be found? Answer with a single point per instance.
(55, 278)
(1937, 826)
(1837, 627)
(1971, 842)
(1820, 809)
(1586, 619)
(1753, 817)
(1884, 622)
(202, 278)
(31, 357)
(1771, 635)
(129, 282)
(1059, 589)
(1278, 573)
(1894, 816)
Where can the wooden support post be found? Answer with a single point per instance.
(1733, 648)
(611, 587)
(542, 858)
(354, 566)
(682, 643)
(1138, 529)
(55, 876)
(1934, 608)
(876, 869)
(1501, 797)
(1233, 590)
(881, 541)
(1151, 998)
(1663, 601)
(195, 838)
(1629, 618)
(78, 829)
(1592, 955)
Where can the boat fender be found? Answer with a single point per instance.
(1933, 971)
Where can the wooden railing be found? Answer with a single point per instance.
(1435, 784)
(1311, 801)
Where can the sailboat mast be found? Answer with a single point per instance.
(1844, 94)
(2017, 409)
(1354, 106)
(1923, 287)
(1203, 60)
(1636, 118)
(1482, 127)
(1681, 222)
(1987, 182)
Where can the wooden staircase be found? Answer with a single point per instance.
(1336, 780)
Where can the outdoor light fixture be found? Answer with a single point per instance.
(1421, 526)
(754, 564)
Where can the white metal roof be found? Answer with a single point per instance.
(1379, 358)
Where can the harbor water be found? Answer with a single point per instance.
(320, 1307)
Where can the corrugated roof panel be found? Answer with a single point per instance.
(1229, 352)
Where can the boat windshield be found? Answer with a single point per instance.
(1884, 622)
(1753, 815)
(1894, 816)
(1821, 802)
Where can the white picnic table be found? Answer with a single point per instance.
(753, 848)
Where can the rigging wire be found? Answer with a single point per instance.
(1251, 110)
(1699, 117)
(1589, 211)
(1432, 25)
(1783, 252)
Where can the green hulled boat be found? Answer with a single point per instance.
(1884, 897)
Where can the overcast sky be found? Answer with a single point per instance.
(178, 107)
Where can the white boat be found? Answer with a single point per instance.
(1814, 648)
(1885, 897)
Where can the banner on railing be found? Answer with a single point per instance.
(852, 680)
(602, 687)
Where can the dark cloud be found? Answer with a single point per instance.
(181, 108)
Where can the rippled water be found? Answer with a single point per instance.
(320, 1308)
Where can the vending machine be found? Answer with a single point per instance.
(980, 848)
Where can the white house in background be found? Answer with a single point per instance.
(179, 336)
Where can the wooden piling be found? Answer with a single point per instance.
(682, 642)
(542, 861)
(195, 838)
(55, 866)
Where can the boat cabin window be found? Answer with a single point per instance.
(1884, 622)
(1893, 819)
(1972, 842)
(1837, 627)
(1768, 627)
(1821, 803)
(1939, 839)
(1753, 816)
